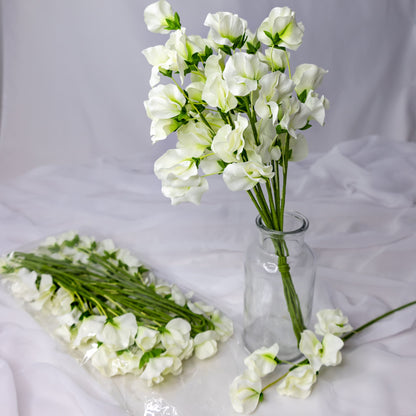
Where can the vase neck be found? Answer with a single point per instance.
(294, 228)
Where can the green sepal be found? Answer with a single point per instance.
(56, 248)
(72, 243)
(222, 164)
(252, 48)
(173, 24)
(226, 49)
(306, 126)
(166, 72)
(302, 96)
(261, 397)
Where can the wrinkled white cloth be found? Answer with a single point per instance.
(360, 199)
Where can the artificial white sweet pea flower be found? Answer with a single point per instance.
(228, 143)
(216, 92)
(119, 332)
(332, 321)
(205, 344)
(46, 289)
(225, 27)
(177, 296)
(295, 115)
(242, 73)
(275, 87)
(244, 176)
(110, 363)
(211, 164)
(152, 374)
(175, 163)
(282, 25)
(318, 353)
(277, 59)
(165, 101)
(188, 190)
(106, 246)
(223, 325)
(161, 128)
(195, 137)
(307, 77)
(262, 361)
(89, 329)
(298, 383)
(176, 336)
(24, 285)
(316, 106)
(160, 57)
(60, 303)
(299, 148)
(146, 338)
(156, 15)
(245, 391)
(268, 149)
(184, 47)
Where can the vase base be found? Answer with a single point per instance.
(256, 336)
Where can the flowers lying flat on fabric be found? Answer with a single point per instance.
(246, 390)
(108, 305)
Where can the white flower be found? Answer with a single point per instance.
(175, 163)
(262, 361)
(155, 16)
(295, 115)
(245, 391)
(316, 106)
(46, 289)
(24, 285)
(165, 101)
(106, 245)
(110, 363)
(188, 190)
(194, 137)
(177, 296)
(326, 353)
(307, 77)
(282, 25)
(176, 336)
(156, 366)
(216, 92)
(60, 303)
(184, 47)
(160, 57)
(298, 382)
(244, 176)
(275, 87)
(146, 338)
(205, 344)
(275, 58)
(210, 165)
(332, 321)
(225, 27)
(228, 143)
(119, 332)
(242, 72)
(88, 329)
(161, 128)
(223, 325)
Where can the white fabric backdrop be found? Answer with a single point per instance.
(362, 230)
(74, 78)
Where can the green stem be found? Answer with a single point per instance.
(359, 329)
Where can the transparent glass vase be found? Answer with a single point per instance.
(278, 262)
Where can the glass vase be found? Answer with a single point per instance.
(279, 286)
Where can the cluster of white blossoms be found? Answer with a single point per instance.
(231, 98)
(246, 391)
(105, 304)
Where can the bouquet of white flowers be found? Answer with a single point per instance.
(237, 110)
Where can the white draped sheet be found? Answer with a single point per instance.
(360, 198)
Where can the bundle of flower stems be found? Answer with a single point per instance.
(112, 307)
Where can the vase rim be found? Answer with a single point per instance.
(304, 224)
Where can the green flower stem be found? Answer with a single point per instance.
(359, 329)
(275, 381)
(112, 290)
